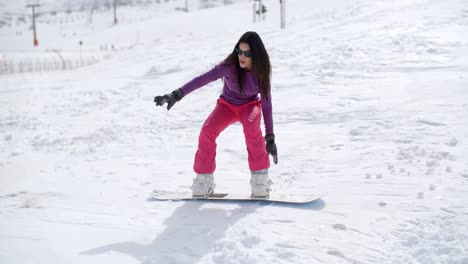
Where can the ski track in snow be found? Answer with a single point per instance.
(369, 106)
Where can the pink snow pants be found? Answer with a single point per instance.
(225, 114)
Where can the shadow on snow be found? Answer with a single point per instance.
(193, 231)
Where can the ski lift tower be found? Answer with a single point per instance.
(33, 4)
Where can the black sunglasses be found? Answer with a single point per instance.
(246, 53)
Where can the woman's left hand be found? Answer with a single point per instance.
(271, 147)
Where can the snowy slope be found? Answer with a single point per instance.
(370, 105)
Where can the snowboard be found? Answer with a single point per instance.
(240, 197)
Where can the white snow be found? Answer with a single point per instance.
(370, 105)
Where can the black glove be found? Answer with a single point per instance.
(271, 147)
(170, 98)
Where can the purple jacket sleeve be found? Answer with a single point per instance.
(267, 110)
(202, 80)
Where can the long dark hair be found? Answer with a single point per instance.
(261, 66)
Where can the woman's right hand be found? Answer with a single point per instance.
(170, 98)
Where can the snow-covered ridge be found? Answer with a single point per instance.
(72, 25)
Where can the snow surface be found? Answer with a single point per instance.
(370, 105)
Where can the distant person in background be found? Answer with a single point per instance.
(246, 95)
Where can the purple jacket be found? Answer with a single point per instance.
(231, 91)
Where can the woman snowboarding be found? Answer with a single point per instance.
(246, 96)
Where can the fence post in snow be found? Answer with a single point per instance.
(283, 13)
(254, 11)
(61, 58)
(115, 12)
(21, 66)
(260, 11)
(3, 65)
(81, 54)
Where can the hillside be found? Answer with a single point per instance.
(369, 105)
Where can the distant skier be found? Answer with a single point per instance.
(246, 94)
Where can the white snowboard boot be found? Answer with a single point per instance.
(260, 184)
(203, 185)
